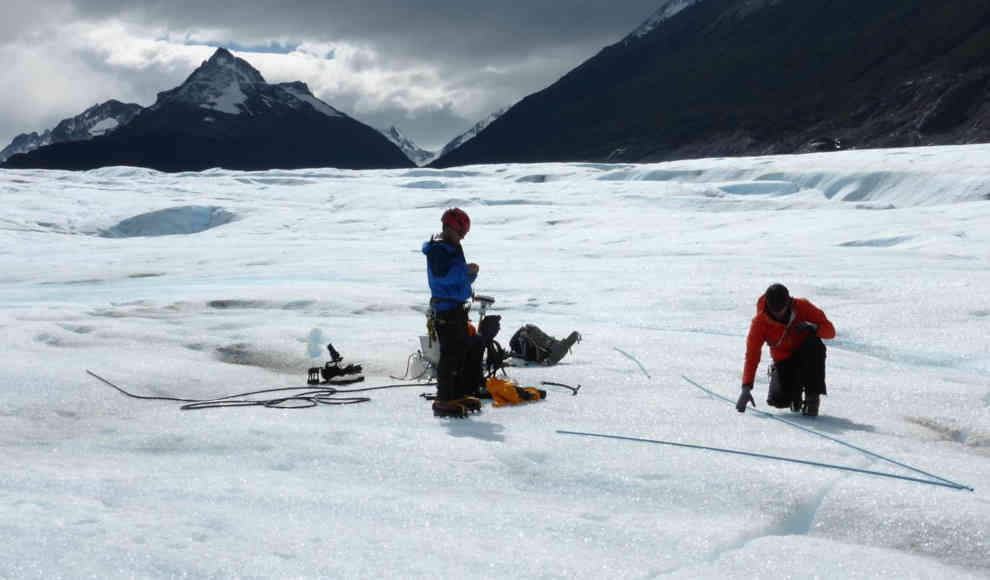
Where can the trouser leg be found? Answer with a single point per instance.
(788, 382)
(812, 365)
(452, 332)
(471, 376)
(803, 371)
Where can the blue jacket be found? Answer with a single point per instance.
(447, 273)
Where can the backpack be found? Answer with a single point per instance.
(531, 344)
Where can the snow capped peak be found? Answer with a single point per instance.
(224, 64)
(220, 83)
(414, 152)
(229, 84)
(667, 9)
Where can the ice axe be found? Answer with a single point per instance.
(574, 390)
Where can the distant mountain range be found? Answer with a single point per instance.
(226, 115)
(414, 152)
(705, 78)
(698, 78)
(93, 122)
(421, 156)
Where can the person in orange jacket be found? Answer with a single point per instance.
(793, 328)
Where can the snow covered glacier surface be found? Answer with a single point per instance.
(221, 279)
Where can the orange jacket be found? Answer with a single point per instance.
(782, 338)
(508, 393)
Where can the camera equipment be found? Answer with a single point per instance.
(332, 370)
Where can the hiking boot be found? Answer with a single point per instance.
(811, 406)
(449, 409)
(470, 403)
(559, 348)
(796, 405)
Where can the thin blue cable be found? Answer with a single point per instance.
(948, 483)
(632, 358)
(774, 457)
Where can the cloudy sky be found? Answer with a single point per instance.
(430, 67)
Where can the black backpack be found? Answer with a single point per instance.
(531, 344)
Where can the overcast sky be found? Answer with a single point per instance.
(430, 67)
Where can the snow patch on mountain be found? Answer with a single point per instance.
(229, 100)
(472, 132)
(414, 152)
(666, 11)
(301, 91)
(103, 126)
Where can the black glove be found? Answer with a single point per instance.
(745, 397)
(806, 326)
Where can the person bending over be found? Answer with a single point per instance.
(793, 328)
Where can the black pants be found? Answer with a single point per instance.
(804, 370)
(459, 372)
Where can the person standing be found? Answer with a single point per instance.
(793, 328)
(450, 277)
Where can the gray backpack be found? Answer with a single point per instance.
(530, 343)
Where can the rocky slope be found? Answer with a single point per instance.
(749, 77)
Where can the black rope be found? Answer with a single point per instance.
(310, 397)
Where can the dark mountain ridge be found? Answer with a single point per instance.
(750, 77)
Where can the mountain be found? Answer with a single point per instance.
(226, 115)
(414, 152)
(94, 121)
(667, 10)
(471, 133)
(748, 77)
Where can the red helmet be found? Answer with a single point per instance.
(456, 219)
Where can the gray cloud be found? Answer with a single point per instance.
(431, 67)
(452, 30)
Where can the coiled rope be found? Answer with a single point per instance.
(301, 397)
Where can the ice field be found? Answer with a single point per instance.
(198, 285)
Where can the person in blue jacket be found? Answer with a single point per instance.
(450, 277)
